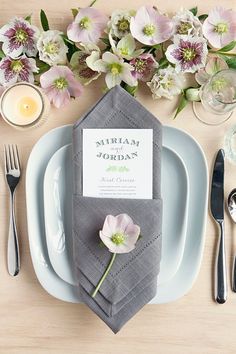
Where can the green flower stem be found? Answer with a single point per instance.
(104, 275)
(92, 3)
(223, 53)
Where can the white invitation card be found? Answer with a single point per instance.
(118, 163)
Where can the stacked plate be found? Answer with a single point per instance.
(49, 214)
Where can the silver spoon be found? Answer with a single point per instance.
(232, 211)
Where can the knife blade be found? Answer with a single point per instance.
(217, 210)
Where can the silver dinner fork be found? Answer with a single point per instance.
(12, 172)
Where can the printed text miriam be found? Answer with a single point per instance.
(117, 141)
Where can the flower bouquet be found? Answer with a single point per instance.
(129, 48)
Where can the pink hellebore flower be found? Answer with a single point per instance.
(219, 27)
(214, 64)
(119, 233)
(144, 66)
(19, 37)
(16, 70)
(59, 85)
(87, 26)
(150, 27)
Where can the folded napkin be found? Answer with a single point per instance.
(132, 281)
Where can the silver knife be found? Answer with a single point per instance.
(217, 210)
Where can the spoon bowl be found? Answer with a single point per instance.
(231, 204)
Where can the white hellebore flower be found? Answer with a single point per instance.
(185, 23)
(115, 68)
(51, 47)
(125, 48)
(166, 83)
(119, 25)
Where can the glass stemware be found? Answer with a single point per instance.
(218, 98)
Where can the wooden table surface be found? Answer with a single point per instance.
(32, 321)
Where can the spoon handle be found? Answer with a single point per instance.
(234, 276)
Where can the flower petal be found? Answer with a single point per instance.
(122, 222)
(112, 80)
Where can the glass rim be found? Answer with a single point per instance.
(212, 78)
(22, 84)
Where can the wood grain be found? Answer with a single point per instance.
(31, 321)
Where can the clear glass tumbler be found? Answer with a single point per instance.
(218, 98)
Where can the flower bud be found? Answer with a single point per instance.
(192, 94)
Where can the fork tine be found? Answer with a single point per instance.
(11, 156)
(6, 160)
(16, 157)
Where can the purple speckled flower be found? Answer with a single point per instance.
(16, 70)
(144, 66)
(187, 53)
(19, 37)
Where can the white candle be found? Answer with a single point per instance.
(22, 105)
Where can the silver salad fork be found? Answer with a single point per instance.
(12, 173)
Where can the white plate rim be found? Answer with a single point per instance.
(68, 293)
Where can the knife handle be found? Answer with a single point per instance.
(221, 282)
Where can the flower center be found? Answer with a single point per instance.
(168, 84)
(189, 54)
(51, 48)
(85, 23)
(149, 30)
(124, 51)
(184, 27)
(140, 65)
(60, 83)
(123, 25)
(115, 68)
(118, 238)
(21, 35)
(219, 84)
(221, 28)
(16, 66)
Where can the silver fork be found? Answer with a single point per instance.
(12, 172)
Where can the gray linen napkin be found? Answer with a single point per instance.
(133, 278)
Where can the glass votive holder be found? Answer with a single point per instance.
(24, 105)
(230, 144)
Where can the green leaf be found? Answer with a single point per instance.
(66, 39)
(44, 20)
(71, 46)
(231, 63)
(228, 47)
(182, 104)
(28, 18)
(106, 41)
(163, 63)
(194, 10)
(74, 12)
(43, 67)
(2, 55)
(202, 17)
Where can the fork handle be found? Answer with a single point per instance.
(13, 256)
